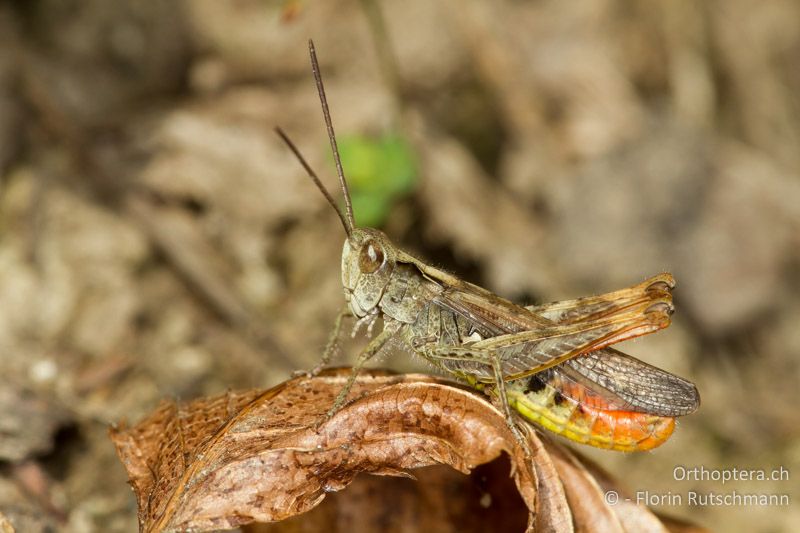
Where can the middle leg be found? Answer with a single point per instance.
(366, 354)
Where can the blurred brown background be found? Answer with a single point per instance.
(158, 241)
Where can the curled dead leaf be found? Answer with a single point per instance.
(254, 456)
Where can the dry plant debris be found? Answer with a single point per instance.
(255, 456)
(27, 424)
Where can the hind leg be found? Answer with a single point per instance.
(441, 354)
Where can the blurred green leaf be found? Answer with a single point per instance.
(379, 171)
(370, 209)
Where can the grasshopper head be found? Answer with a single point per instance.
(368, 259)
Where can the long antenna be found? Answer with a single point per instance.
(331, 135)
(313, 175)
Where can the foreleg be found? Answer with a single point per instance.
(330, 346)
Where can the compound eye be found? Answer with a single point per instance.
(370, 258)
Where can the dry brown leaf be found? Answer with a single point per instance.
(439, 499)
(254, 457)
(586, 482)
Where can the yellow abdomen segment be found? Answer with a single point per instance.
(625, 431)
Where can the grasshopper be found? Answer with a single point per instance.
(552, 363)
